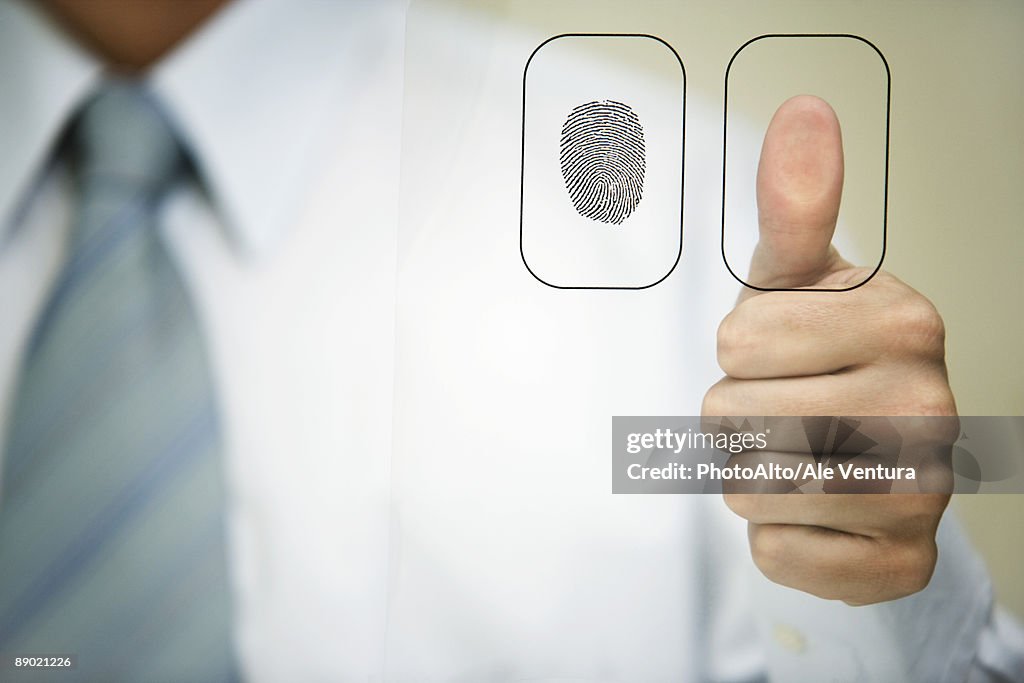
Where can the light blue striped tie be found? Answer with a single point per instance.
(112, 538)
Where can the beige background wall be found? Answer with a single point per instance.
(956, 189)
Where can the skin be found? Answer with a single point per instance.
(874, 350)
(130, 35)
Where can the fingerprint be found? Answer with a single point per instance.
(603, 160)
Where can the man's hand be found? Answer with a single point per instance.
(874, 350)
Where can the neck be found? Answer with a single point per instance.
(130, 35)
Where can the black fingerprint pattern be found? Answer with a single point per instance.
(603, 160)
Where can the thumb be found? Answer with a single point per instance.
(799, 187)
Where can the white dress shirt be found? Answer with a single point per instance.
(418, 430)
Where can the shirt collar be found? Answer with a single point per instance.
(43, 77)
(253, 94)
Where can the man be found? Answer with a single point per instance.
(478, 542)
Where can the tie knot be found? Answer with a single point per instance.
(122, 138)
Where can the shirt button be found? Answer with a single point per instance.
(789, 639)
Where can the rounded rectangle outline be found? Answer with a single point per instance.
(682, 158)
(885, 189)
